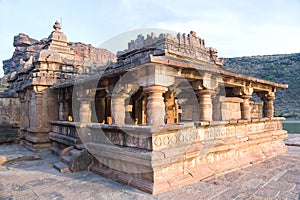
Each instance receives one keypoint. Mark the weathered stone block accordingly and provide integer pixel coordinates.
(81, 161)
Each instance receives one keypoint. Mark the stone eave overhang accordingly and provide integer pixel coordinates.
(175, 62)
(79, 80)
(229, 78)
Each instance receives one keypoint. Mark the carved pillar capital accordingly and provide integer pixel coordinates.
(246, 97)
(39, 89)
(207, 83)
(85, 93)
(205, 92)
(242, 91)
(155, 89)
(266, 94)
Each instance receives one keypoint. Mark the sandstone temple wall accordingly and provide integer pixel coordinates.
(9, 118)
(35, 66)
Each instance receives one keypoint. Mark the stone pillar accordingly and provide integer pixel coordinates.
(155, 105)
(108, 117)
(101, 113)
(268, 107)
(128, 110)
(63, 110)
(36, 136)
(170, 107)
(217, 108)
(245, 107)
(39, 110)
(23, 112)
(118, 108)
(27, 110)
(205, 105)
(85, 113)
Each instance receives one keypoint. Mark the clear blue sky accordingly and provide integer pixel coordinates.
(234, 27)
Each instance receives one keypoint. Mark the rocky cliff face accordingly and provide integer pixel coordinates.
(25, 47)
(283, 68)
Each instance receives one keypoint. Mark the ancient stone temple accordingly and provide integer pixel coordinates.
(37, 65)
(163, 115)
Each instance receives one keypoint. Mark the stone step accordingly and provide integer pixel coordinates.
(61, 167)
(74, 152)
(66, 159)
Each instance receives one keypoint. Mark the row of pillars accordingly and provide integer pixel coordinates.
(156, 106)
(268, 106)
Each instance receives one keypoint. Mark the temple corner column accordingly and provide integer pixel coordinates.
(245, 107)
(268, 106)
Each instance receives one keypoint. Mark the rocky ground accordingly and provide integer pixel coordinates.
(27, 175)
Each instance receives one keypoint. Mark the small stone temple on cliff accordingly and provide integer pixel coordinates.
(159, 115)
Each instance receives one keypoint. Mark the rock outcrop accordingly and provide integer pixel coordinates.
(23, 40)
(26, 47)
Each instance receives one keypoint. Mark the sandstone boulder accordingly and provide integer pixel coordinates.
(23, 40)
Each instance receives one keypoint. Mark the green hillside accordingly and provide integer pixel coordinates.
(283, 68)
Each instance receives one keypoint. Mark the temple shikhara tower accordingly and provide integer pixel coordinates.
(157, 116)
